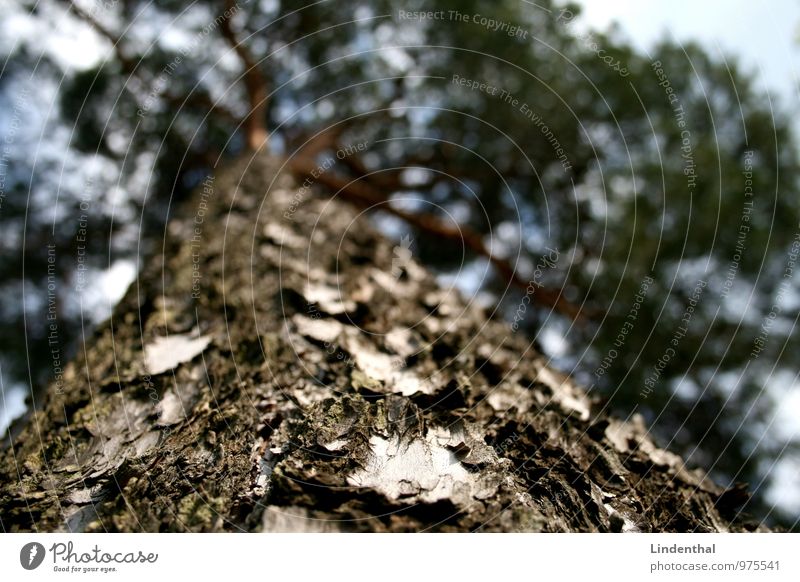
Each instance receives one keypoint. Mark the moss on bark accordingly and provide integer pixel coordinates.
(338, 391)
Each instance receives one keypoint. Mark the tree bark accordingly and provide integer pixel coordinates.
(281, 367)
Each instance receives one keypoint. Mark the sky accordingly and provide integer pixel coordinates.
(764, 35)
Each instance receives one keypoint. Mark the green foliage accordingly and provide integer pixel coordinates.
(587, 154)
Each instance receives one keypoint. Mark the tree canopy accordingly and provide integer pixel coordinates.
(635, 214)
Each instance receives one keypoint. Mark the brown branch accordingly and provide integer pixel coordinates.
(326, 139)
(386, 180)
(254, 81)
(362, 194)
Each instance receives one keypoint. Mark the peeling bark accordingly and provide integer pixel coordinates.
(274, 371)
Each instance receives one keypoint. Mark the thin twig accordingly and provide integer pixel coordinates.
(132, 69)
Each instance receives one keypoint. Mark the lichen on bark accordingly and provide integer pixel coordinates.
(313, 384)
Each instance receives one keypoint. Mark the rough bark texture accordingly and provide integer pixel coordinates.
(318, 383)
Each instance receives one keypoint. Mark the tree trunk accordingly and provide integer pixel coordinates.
(281, 367)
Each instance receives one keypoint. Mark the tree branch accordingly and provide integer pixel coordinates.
(363, 194)
(255, 84)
